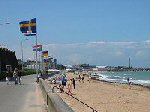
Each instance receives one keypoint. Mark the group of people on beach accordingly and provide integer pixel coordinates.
(70, 83)
(16, 76)
(81, 78)
(66, 83)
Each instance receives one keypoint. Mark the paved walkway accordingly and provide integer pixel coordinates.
(21, 98)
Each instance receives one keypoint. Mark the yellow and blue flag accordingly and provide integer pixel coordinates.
(28, 27)
(33, 25)
(45, 53)
(24, 26)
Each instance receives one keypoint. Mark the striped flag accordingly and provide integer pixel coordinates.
(45, 53)
(39, 47)
(48, 57)
(24, 26)
(28, 27)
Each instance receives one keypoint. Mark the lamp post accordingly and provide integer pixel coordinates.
(4, 23)
(22, 55)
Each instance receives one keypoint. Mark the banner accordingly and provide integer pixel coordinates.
(28, 28)
(24, 26)
(48, 57)
(39, 47)
(45, 53)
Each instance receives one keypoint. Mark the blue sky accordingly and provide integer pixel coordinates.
(101, 32)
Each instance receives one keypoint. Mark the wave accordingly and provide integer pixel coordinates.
(102, 76)
(122, 79)
(143, 82)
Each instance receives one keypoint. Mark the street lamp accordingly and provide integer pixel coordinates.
(22, 55)
(4, 23)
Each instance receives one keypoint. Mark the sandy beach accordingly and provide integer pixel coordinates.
(106, 97)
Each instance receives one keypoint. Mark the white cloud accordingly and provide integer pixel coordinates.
(91, 44)
(147, 41)
(119, 53)
(100, 52)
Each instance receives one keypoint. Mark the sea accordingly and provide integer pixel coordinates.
(138, 77)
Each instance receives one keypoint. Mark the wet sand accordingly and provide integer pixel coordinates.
(106, 97)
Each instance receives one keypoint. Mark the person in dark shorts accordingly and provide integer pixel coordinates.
(64, 80)
(15, 75)
(82, 79)
(8, 75)
(128, 80)
(19, 76)
(73, 82)
(79, 78)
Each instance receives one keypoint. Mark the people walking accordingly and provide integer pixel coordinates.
(79, 78)
(15, 75)
(73, 82)
(82, 79)
(69, 87)
(19, 76)
(64, 80)
(8, 73)
(128, 80)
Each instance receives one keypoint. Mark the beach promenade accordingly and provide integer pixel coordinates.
(106, 97)
(21, 98)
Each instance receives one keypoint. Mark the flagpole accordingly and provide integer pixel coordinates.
(22, 57)
(36, 61)
(39, 63)
(42, 63)
(30, 26)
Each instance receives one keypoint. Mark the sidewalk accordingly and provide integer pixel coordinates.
(34, 101)
(22, 98)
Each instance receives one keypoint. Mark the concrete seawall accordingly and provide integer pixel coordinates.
(53, 100)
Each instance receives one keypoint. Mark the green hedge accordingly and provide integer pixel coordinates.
(26, 72)
(2, 75)
(29, 72)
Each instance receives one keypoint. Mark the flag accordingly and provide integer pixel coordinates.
(29, 33)
(39, 47)
(45, 53)
(28, 27)
(24, 26)
(33, 25)
(48, 57)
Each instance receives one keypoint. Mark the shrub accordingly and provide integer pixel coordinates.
(29, 72)
(2, 75)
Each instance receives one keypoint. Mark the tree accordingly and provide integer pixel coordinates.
(7, 57)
